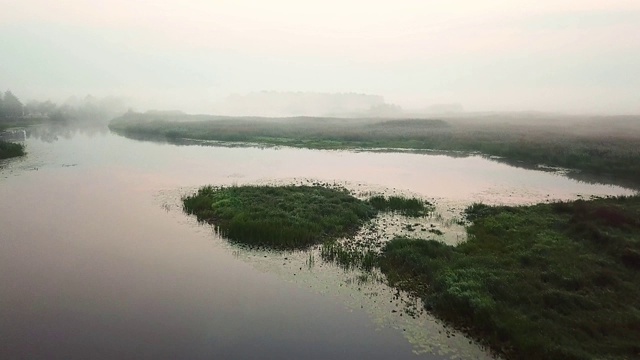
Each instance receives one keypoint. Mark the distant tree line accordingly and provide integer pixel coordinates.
(88, 108)
(10, 105)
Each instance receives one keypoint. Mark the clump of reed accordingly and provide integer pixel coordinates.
(349, 258)
(405, 206)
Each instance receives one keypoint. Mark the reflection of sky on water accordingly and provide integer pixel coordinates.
(91, 263)
(463, 178)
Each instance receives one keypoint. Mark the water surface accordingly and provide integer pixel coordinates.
(98, 261)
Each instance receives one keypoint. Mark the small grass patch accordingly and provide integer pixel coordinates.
(349, 258)
(548, 281)
(284, 217)
(405, 206)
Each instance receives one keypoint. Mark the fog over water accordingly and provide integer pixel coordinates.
(562, 56)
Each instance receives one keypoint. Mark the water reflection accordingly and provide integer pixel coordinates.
(16, 135)
(55, 131)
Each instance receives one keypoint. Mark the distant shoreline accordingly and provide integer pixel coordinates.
(600, 149)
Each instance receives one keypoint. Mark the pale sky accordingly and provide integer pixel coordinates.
(567, 56)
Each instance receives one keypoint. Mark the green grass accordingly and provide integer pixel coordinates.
(548, 281)
(348, 258)
(289, 217)
(606, 150)
(285, 217)
(9, 150)
(402, 205)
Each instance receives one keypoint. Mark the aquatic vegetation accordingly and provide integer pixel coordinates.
(548, 281)
(8, 150)
(349, 258)
(284, 217)
(406, 206)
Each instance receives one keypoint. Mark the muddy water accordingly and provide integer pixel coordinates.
(98, 261)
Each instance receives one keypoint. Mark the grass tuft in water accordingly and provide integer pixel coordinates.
(405, 206)
(349, 258)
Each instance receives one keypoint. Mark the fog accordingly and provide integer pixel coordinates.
(411, 56)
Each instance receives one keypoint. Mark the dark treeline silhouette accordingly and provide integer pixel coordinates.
(88, 114)
(10, 105)
(88, 109)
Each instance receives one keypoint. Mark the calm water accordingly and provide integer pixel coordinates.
(98, 261)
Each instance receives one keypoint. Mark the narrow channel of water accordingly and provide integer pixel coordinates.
(97, 259)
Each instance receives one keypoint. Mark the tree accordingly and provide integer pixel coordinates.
(11, 105)
(39, 108)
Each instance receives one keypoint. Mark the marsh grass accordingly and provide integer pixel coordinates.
(548, 281)
(412, 207)
(348, 257)
(284, 217)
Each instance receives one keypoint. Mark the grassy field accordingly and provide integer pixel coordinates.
(548, 281)
(605, 149)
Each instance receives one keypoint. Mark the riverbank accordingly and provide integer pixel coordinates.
(606, 148)
(547, 281)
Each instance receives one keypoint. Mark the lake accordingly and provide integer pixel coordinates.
(98, 260)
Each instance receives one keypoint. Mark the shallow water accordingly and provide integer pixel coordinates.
(98, 261)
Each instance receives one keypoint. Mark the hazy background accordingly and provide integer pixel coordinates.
(206, 56)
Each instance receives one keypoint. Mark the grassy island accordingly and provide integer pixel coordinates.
(290, 217)
(9, 150)
(548, 281)
(285, 217)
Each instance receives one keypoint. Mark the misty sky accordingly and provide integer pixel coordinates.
(569, 56)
